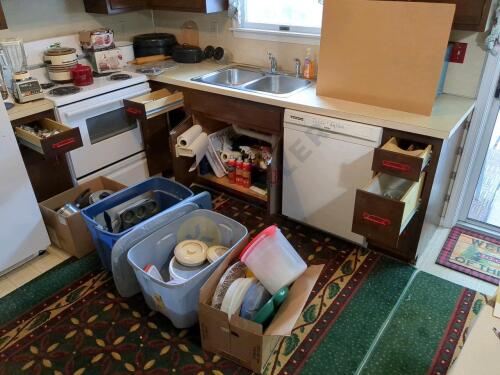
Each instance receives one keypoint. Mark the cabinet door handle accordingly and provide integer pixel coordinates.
(134, 111)
(63, 143)
(396, 166)
(376, 219)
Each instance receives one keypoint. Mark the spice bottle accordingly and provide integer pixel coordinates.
(231, 171)
(247, 174)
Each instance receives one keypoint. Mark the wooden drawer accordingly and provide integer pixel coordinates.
(395, 159)
(153, 104)
(378, 216)
(66, 140)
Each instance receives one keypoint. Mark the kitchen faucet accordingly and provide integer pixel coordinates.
(297, 67)
(274, 63)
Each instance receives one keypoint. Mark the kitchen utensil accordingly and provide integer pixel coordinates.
(148, 59)
(183, 273)
(269, 310)
(190, 33)
(154, 44)
(231, 304)
(273, 260)
(187, 54)
(218, 53)
(67, 210)
(60, 57)
(137, 212)
(127, 50)
(236, 271)
(215, 252)
(99, 195)
(253, 301)
(191, 253)
(208, 52)
(82, 200)
(82, 75)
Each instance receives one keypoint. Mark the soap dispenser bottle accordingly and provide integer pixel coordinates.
(309, 68)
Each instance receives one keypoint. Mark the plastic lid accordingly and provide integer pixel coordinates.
(191, 253)
(268, 232)
(215, 252)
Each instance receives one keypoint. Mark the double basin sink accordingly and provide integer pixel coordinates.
(247, 79)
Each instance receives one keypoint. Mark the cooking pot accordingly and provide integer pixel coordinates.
(82, 75)
(60, 56)
(187, 54)
(154, 44)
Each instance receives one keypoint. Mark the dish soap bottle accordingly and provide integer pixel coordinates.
(308, 65)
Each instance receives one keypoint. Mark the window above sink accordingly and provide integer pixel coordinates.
(295, 21)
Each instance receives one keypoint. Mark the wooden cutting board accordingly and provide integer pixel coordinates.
(384, 53)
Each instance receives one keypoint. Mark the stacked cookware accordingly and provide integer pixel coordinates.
(60, 62)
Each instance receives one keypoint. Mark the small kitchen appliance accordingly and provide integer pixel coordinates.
(26, 88)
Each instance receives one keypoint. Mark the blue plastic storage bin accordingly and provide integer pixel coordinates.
(178, 300)
(168, 193)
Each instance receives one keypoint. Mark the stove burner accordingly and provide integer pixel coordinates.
(46, 86)
(64, 90)
(120, 77)
(99, 75)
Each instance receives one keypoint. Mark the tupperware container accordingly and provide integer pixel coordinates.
(273, 260)
(178, 299)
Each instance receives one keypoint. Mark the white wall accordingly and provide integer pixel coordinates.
(39, 19)
(462, 79)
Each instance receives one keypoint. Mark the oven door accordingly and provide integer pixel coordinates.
(108, 135)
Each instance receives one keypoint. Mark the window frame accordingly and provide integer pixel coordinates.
(275, 28)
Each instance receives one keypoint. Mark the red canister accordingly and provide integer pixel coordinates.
(82, 75)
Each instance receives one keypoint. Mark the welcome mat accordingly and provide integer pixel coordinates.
(472, 253)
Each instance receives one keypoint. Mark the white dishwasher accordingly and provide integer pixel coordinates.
(325, 161)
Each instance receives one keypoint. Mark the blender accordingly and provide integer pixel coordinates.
(24, 87)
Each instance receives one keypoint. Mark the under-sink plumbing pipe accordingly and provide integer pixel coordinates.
(253, 134)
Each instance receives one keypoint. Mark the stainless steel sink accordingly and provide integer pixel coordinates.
(230, 77)
(277, 84)
(247, 79)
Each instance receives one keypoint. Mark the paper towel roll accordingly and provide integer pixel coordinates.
(197, 149)
(227, 155)
(189, 136)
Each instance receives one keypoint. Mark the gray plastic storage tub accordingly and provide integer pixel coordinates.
(179, 300)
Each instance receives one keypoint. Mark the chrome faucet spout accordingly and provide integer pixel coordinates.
(297, 68)
(274, 63)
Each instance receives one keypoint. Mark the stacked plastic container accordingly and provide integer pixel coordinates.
(166, 192)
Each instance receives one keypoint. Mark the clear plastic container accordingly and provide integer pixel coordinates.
(273, 260)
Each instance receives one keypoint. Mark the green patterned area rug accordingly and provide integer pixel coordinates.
(367, 314)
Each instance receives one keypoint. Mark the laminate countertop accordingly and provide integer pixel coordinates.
(448, 113)
(30, 108)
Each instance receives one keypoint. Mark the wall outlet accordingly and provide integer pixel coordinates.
(458, 52)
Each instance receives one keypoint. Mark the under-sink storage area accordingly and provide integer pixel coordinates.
(385, 206)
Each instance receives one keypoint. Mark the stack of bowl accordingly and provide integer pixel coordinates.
(60, 61)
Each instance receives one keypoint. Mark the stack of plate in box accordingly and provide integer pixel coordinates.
(60, 61)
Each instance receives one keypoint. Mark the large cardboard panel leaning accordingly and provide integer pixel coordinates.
(384, 53)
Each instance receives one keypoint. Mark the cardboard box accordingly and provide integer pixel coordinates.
(97, 39)
(71, 233)
(482, 348)
(244, 341)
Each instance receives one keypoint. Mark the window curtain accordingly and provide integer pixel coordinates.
(493, 39)
(234, 11)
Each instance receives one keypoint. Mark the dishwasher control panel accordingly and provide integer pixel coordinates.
(334, 125)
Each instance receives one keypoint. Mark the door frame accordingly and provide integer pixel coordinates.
(467, 173)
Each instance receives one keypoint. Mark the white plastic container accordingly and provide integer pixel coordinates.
(273, 260)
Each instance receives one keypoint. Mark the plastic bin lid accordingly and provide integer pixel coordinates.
(268, 232)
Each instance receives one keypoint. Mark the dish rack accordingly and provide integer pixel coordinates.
(217, 143)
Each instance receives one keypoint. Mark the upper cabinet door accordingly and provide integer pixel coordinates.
(113, 6)
(201, 6)
(3, 22)
(470, 15)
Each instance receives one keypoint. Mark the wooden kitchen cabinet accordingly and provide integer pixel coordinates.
(200, 6)
(3, 21)
(114, 6)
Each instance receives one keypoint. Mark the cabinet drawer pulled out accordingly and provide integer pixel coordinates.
(405, 161)
(63, 139)
(385, 207)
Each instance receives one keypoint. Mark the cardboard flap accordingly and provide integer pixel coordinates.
(290, 311)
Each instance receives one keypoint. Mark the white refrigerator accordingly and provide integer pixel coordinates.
(22, 231)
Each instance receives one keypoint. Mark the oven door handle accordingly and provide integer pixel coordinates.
(94, 108)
